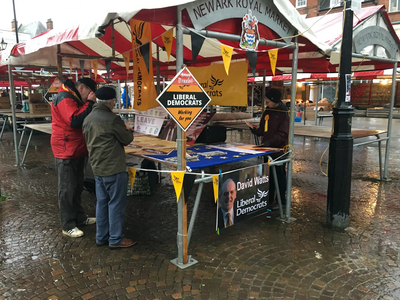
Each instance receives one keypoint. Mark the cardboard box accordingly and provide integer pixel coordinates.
(310, 113)
(4, 105)
(5, 100)
(35, 98)
(39, 108)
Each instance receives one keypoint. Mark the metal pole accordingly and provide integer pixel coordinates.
(252, 101)
(112, 40)
(236, 38)
(291, 131)
(15, 23)
(389, 128)
(14, 120)
(341, 142)
(316, 110)
(59, 63)
(195, 208)
(119, 97)
(158, 70)
(182, 260)
(263, 91)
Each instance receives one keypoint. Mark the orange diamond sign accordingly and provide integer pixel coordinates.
(53, 90)
(184, 99)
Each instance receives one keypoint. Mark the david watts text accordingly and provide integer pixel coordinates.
(256, 202)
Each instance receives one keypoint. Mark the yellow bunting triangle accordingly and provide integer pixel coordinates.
(177, 180)
(273, 57)
(226, 53)
(70, 65)
(132, 174)
(215, 185)
(95, 65)
(167, 38)
(126, 57)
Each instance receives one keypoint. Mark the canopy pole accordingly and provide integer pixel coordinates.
(119, 97)
(14, 120)
(59, 63)
(287, 218)
(263, 91)
(182, 261)
(112, 40)
(389, 128)
(158, 70)
(252, 100)
(236, 38)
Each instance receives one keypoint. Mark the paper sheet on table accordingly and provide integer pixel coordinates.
(249, 124)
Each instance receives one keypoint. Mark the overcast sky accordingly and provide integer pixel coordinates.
(63, 13)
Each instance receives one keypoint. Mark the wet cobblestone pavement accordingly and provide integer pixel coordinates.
(261, 258)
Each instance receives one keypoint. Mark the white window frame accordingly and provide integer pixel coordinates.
(333, 2)
(394, 8)
(301, 3)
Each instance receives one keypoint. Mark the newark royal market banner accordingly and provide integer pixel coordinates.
(242, 194)
(223, 89)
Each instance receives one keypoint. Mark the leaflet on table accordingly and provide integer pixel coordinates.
(211, 153)
(158, 112)
(237, 147)
(148, 124)
(249, 124)
(189, 158)
(169, 132)
(146, 143)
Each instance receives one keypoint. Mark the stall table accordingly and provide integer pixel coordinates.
(26, 117)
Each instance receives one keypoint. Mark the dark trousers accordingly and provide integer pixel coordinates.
(281, 175)
(70, 174)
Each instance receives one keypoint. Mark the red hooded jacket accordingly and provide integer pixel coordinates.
(68, 112)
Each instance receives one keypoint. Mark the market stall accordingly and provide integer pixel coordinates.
(194, 33)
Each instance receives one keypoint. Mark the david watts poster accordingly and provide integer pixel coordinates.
(242, 194)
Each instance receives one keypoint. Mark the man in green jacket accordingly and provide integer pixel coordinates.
(106, 135)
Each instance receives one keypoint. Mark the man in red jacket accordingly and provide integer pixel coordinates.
(274, 128)
(70, 107)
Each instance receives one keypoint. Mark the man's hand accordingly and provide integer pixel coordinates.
(91, 97)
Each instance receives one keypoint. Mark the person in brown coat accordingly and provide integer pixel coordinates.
(274, 128)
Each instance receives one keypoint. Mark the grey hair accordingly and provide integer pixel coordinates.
(104, 101)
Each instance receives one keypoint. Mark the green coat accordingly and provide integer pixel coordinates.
(106, 135)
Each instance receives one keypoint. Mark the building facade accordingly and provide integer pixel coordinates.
(314, 8)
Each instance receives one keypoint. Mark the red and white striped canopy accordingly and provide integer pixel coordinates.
(81, 42)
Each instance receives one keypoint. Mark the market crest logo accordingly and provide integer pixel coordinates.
(211, 86)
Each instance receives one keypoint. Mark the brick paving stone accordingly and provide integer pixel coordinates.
(262, 255)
